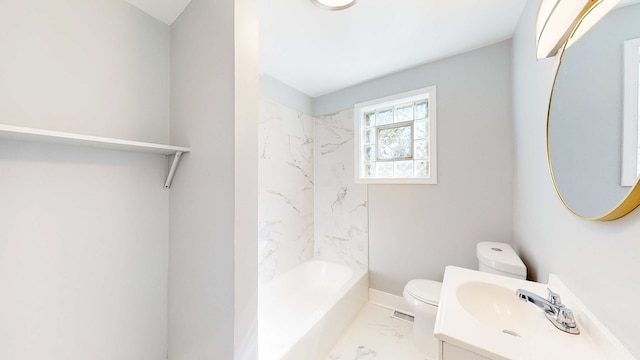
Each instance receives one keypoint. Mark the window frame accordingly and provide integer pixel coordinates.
(393, 126)
(361, 109)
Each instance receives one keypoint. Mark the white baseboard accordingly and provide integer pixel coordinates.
(389, 301)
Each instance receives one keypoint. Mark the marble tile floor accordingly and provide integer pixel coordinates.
(376, 335)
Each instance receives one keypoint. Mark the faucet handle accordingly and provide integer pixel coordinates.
(554, 298)
(566, 318)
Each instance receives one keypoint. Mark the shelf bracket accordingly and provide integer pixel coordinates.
(172, 169)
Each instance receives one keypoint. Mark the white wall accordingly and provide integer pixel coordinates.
(96, 67)
(83, 254)
(598, 261)
(246, 94)
(281, 93)
(83, 232)
(202, 293)
(417, 230)
(414, 231)
(202, 201)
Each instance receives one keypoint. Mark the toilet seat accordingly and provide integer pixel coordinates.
(427, 291)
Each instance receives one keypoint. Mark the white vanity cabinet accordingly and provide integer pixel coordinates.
(447, 351)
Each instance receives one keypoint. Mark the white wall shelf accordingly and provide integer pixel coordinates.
(18, 133)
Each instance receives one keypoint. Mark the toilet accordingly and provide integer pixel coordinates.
(422, 295)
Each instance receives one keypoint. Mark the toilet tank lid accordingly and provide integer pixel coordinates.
(500, 256)
(425, 290)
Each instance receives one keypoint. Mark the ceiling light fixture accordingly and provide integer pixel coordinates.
(565, 21)
(333, 4)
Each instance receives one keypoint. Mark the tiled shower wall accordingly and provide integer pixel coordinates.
(340, 207)
(305, 213)
(285, 186)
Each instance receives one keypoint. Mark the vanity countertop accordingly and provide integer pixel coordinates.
(480, 312)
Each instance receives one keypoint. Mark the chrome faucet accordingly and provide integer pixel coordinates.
(554, 310)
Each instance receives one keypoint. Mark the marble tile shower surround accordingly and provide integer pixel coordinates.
(309, 205)
(286, 188)
(340, 206)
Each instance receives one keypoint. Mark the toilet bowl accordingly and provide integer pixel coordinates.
(422, 296)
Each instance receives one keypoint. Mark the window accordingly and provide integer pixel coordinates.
(395, 139)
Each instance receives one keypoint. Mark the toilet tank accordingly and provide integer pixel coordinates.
(500, 258)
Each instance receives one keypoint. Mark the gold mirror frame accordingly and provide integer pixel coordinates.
(632, 199)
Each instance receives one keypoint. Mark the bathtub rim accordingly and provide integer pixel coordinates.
(357, 277)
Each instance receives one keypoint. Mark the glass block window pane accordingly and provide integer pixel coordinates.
(404, 113)
(370, 136)
(422, 149)
(384, 117)
(403, 168)
(370, 119)
(422, 110)
(421, 132)
(396, 139)
(395, 143)
(421, 168)
(369, 153)
(370, 169)
(384, 169)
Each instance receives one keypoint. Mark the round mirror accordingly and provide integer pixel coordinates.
(592, 127)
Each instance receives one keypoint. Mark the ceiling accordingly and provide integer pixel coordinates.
(317, 51)
(166, 11)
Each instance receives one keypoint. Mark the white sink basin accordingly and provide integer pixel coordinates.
(480, 313)
(498, 308)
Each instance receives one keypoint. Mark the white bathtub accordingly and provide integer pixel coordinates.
(303, 312)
